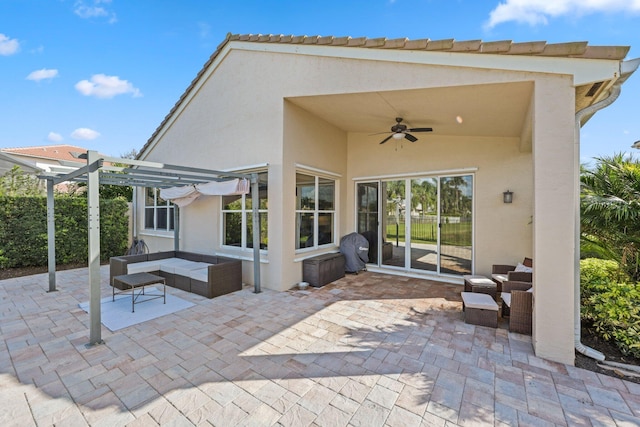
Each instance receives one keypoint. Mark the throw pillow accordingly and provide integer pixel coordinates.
(523, 268)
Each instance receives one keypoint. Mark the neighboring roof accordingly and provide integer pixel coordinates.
(62, 152)
(581, 50)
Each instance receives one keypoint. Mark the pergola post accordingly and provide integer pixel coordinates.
(176, 228)
(93, 203)
(255, 206)
(51, 236)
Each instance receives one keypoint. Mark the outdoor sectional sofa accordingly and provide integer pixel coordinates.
(206, 275)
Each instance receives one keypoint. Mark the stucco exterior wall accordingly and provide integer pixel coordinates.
(254, 124)
(244, 113)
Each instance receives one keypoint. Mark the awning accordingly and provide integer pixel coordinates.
(185, 195)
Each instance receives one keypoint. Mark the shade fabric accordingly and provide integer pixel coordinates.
(224, 188)
(185, 195)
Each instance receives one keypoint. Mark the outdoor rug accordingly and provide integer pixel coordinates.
(117, 314)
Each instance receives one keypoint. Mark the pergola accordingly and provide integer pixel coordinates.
(133, 173)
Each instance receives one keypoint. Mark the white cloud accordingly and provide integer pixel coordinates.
(94, 9)
(8, 46)
(42, 74)
(534, 12)
(103, 86)
(205, 29)
(85, 134)
(54, 137)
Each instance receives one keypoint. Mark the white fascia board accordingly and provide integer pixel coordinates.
(584, 70)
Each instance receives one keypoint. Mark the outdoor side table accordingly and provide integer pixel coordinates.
(138, 280)
(480, 284)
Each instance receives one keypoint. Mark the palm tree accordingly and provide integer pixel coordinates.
(610, 211)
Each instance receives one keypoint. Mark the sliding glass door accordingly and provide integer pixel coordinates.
(421, 223)
(424, 224)
(456, 227)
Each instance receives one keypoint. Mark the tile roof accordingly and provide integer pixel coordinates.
(580, 49)
(52, 152)
(503, 47)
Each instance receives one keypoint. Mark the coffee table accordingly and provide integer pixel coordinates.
(138, 280)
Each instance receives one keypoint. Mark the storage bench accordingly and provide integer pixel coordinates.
(322, 269)
(479, 309)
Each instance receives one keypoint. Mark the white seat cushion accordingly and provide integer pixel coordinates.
(475, 279)
(478, 300)
(143, 267)
(201, 275)
(506, 298)
(500, 277)
(186, 269)
(170, 265)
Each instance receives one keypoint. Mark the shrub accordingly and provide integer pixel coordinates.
(23, 230)
(597, 275)
(610, 305)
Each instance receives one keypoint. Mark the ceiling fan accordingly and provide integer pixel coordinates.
(399, 131)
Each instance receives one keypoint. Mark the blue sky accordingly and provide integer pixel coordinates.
(104, 73)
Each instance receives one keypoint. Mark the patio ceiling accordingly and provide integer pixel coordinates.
(485, 110)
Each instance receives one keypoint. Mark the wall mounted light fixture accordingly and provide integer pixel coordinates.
(507, 196)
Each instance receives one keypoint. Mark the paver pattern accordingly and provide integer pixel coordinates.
(367, 350)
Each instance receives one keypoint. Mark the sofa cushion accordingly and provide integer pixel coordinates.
(143, 267)
(201, 275)
(186, 269)
(169, 265)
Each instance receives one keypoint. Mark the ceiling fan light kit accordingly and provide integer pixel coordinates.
(399, 131)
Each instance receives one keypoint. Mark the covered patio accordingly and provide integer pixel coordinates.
(370, 349)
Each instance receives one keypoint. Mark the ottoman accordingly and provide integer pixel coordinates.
(480, 284)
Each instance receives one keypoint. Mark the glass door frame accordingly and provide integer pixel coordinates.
(408, 195)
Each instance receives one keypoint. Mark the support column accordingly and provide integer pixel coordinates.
(51, 236)
(554, 219)
(176, 228)
(93, 203)
(255, 206)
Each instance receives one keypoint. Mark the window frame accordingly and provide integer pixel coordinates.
(167, 205)
(316, 212)
(246, 213)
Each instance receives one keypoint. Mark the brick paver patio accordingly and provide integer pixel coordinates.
(367, 350)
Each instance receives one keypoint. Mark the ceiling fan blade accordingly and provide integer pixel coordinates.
(386, 139)
(410, 137)
(378, 133)
(420, 130)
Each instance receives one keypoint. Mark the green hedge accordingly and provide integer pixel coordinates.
(23, 230)
(610, 304)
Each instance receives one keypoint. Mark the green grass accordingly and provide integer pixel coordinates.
(458, 234)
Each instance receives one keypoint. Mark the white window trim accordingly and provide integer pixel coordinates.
(170, 210)
(244, 212)
(317, 174)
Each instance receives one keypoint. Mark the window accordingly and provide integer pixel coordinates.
(158, 213)
(237, 217)
(315, 211)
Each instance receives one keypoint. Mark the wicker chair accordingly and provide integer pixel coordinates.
(508, 272)
(518, 306)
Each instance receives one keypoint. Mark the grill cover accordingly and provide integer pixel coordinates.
(355, 249)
